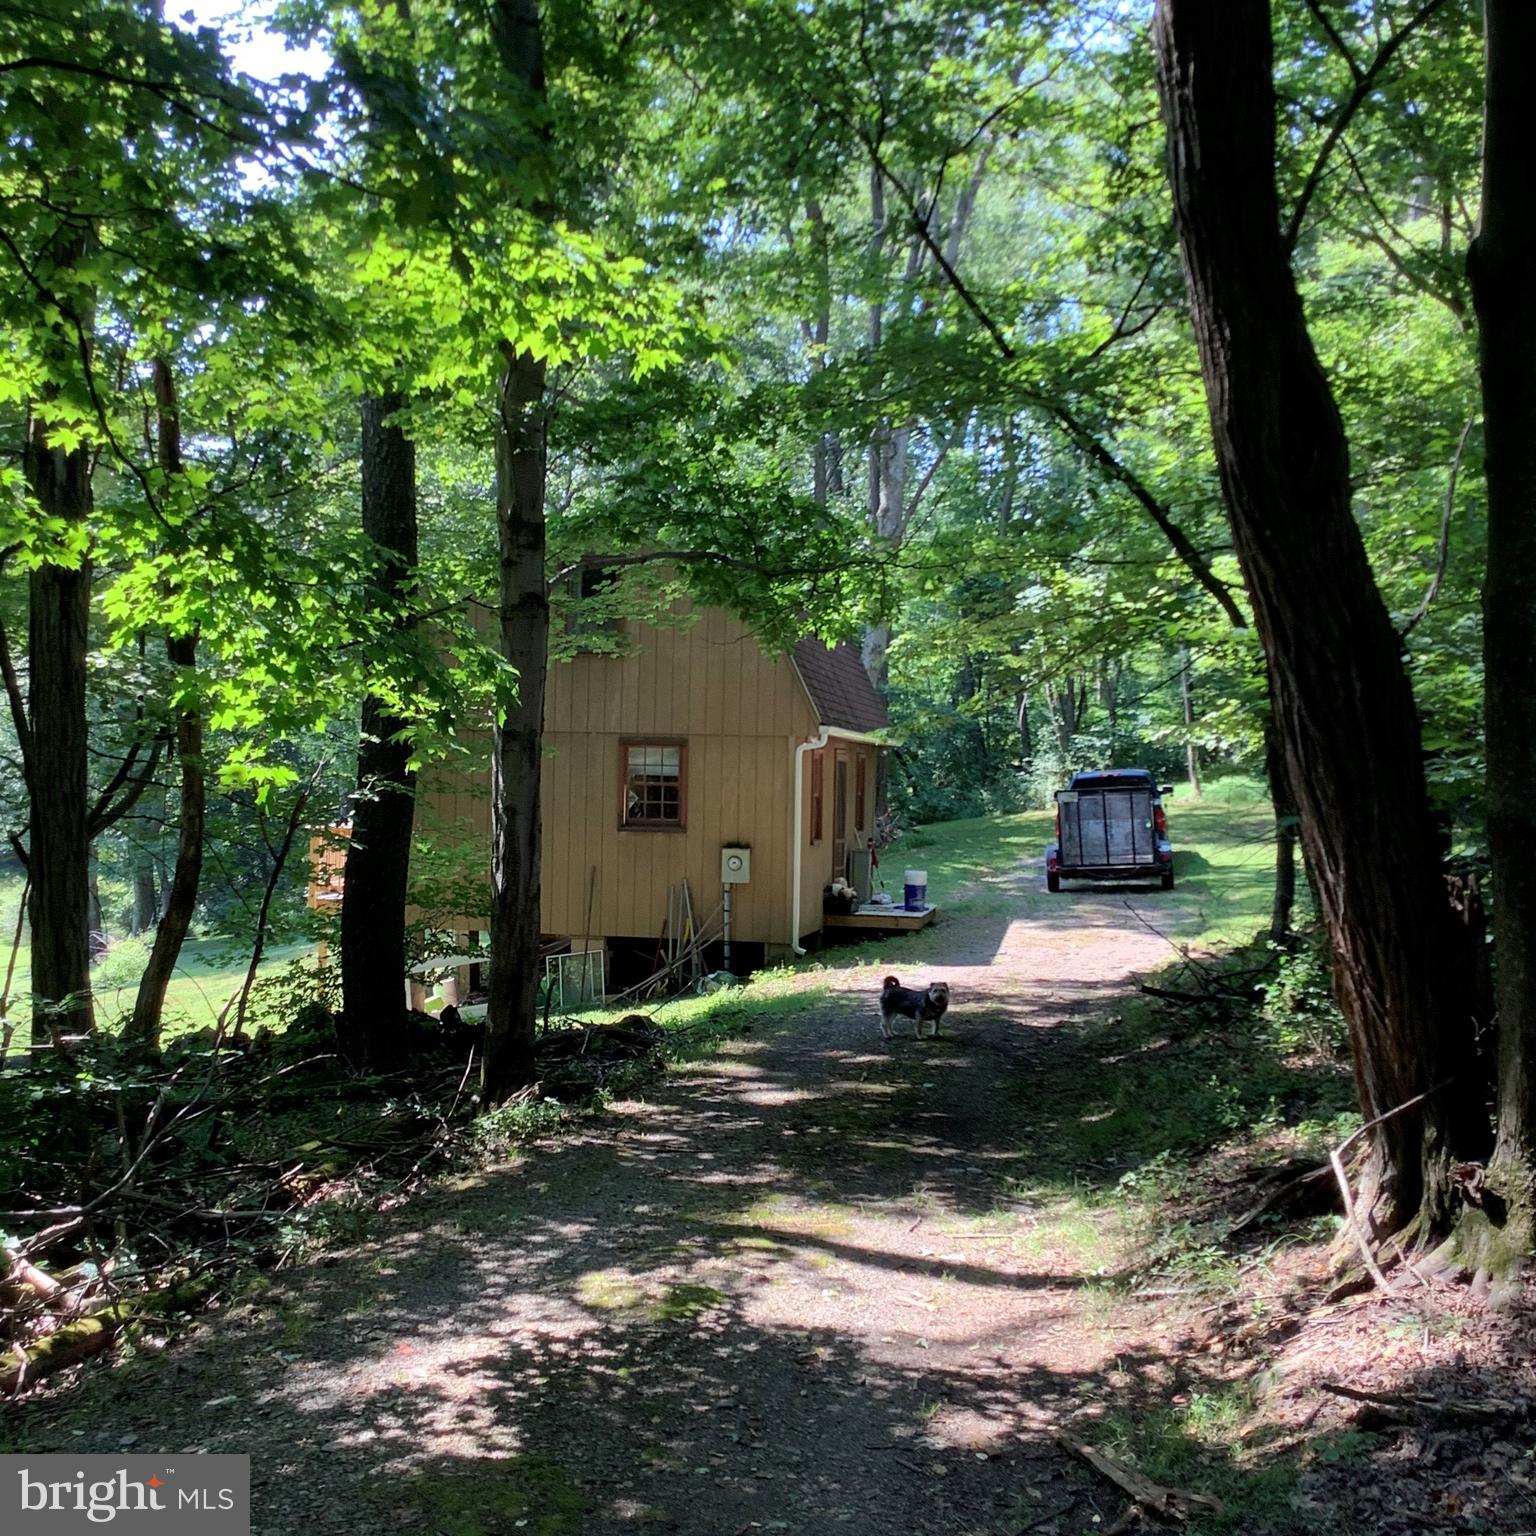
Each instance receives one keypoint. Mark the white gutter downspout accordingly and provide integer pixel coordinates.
(797, 837)
(797, 848)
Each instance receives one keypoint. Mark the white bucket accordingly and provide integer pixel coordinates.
(916, 883)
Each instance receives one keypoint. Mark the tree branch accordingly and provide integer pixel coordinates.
(15, 698)
(104, 813)
(1365, 83)
(1452, 300)
(167, 91)
(1443, 553)
(695, 556)
(1325, 22)
(1155, 509)
(1079, 433)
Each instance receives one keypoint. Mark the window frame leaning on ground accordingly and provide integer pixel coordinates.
(630, 744)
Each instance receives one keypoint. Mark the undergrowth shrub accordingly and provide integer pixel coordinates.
(122, 965)
(1298, 1008)
(499, 1130)
(299, 998)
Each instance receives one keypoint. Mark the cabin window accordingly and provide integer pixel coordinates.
(860, 768)
(591, 614)
(653, 786)
(817, 796)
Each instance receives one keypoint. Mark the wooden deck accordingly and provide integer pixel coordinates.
(881, 919)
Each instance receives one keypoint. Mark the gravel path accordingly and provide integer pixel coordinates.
(791, 1291)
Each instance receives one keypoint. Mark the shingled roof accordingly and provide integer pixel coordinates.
(840, 690)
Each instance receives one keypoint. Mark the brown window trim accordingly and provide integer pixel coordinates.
(818, 794)
(681, 824)
(860, 784)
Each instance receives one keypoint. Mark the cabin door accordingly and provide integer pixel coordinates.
(840, 816)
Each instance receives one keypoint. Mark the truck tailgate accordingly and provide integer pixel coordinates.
(1106, 828)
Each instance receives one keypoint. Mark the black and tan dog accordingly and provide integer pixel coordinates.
(920, 1004)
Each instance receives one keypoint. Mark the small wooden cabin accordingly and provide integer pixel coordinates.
(695, 745)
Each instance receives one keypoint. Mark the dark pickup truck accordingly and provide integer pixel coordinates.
(1110, 825)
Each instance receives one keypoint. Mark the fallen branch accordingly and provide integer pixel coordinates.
(1336, 1157)
(1184, 999)
(1049, 1514)
(1353, 1218)
(1481, 1411)
(17, 1276)
(87, 1336)
(1282, 1191)
(1166, 1503)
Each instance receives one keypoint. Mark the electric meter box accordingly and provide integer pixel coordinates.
(735, 866)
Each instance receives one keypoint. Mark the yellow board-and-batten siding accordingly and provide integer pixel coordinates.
(706, 682)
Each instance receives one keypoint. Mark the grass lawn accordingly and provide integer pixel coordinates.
(209, 971)
(1224, 858)
(1223, 861)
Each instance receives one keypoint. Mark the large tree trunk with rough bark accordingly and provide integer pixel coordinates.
(181, 900)
(373, 955)
(1343, 707)
(517, 750)
(1283, 905)
(1503, 271)
(55, 749)
(517, 759)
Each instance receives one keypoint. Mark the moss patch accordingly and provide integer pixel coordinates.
(610, 1290)
(489, 1496)
(781, 1215)
(685, 1301)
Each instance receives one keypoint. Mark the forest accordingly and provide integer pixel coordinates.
(1129, 382)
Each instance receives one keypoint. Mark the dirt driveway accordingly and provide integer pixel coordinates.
(793, 1290)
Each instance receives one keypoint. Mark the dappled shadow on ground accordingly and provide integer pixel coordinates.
(1460, 1462)
(799, 1285)
(1445, 1447)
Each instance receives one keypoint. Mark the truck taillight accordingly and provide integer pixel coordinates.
(1160, 821)
(1058, 823)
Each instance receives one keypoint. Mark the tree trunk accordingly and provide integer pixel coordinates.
(827, 455)
(373, 957)
(887, 457)
(1062, 703)
(1503, 271)
(58, 625)
(1187, 698)
(1344, 711)
(94, 916)
(280, 856)
(1284, 803)
(181, 897)
(182, 890)
(1021, 722)
(517, 749)
(146, 900)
